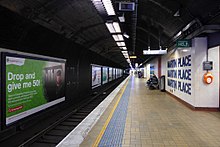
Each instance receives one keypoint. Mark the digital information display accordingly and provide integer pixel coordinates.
(32, 85)
(104, 75)
(96, 76)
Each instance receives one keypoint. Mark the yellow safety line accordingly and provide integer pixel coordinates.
(98, 139)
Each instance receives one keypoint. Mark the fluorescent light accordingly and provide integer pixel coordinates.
(124, 52)
(126, 56)
(185, 50)
(178, 34)
(122, 44)
(110, 27)
(133, 57)
(115, 37)
(117, 27)
(124, 48)
(126, 35)
(154, 52)
(113, 27)
(177, 14)
(108, 7)
(118, 43)
(120, 37)
(121, 18)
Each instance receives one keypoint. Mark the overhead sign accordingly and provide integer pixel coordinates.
(154, 52)
(183, 43)
(126, 6)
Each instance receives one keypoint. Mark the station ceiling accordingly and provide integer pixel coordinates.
(157, 23)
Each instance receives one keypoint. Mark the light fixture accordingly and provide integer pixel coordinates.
(115, 37)
(126, 56)
(108, 7)
(154, 52)
(117, 27)
(120, 44)
(185, 50)
(124, 48)
(120, 37)
(124, 52)
(110, 27)
(104, 6)
(113, 27)
(177, 14)
(121, 18)
(133, 57)
(126, 35)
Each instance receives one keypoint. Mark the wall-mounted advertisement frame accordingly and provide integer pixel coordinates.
(104, 75)
(113, 73)
(110, 74)
(96, 76)
(31, 84)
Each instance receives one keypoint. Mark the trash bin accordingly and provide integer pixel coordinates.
(162, 83)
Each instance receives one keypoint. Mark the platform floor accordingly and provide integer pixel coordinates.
(153, 118)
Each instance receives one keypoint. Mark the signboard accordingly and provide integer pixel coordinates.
(96, 76)
(32, 85)
(110, 77)
(184, 43)
(113, 75)
(104, 75)
(179, 74)
(126, 6)
(207, 65)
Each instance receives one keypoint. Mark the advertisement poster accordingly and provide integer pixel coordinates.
(151, 70)
(96, 76)
(121, 72)
(32, 85)
(104, 75)
(118, 73)
(114, 73)
(110, 74)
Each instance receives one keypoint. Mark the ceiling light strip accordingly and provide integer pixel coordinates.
(108, 7)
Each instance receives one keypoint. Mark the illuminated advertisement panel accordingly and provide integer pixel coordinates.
(104, 75)
(32, 85)
(96, 76)
(114, 73)
(110, 78)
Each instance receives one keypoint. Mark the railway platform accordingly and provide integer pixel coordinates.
(138, 117)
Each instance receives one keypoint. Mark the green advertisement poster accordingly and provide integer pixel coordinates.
(104, 75)
(32, 85)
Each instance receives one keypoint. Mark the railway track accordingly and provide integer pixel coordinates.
(53, 134)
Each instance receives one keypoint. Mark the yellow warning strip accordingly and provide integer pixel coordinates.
(99, 137)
